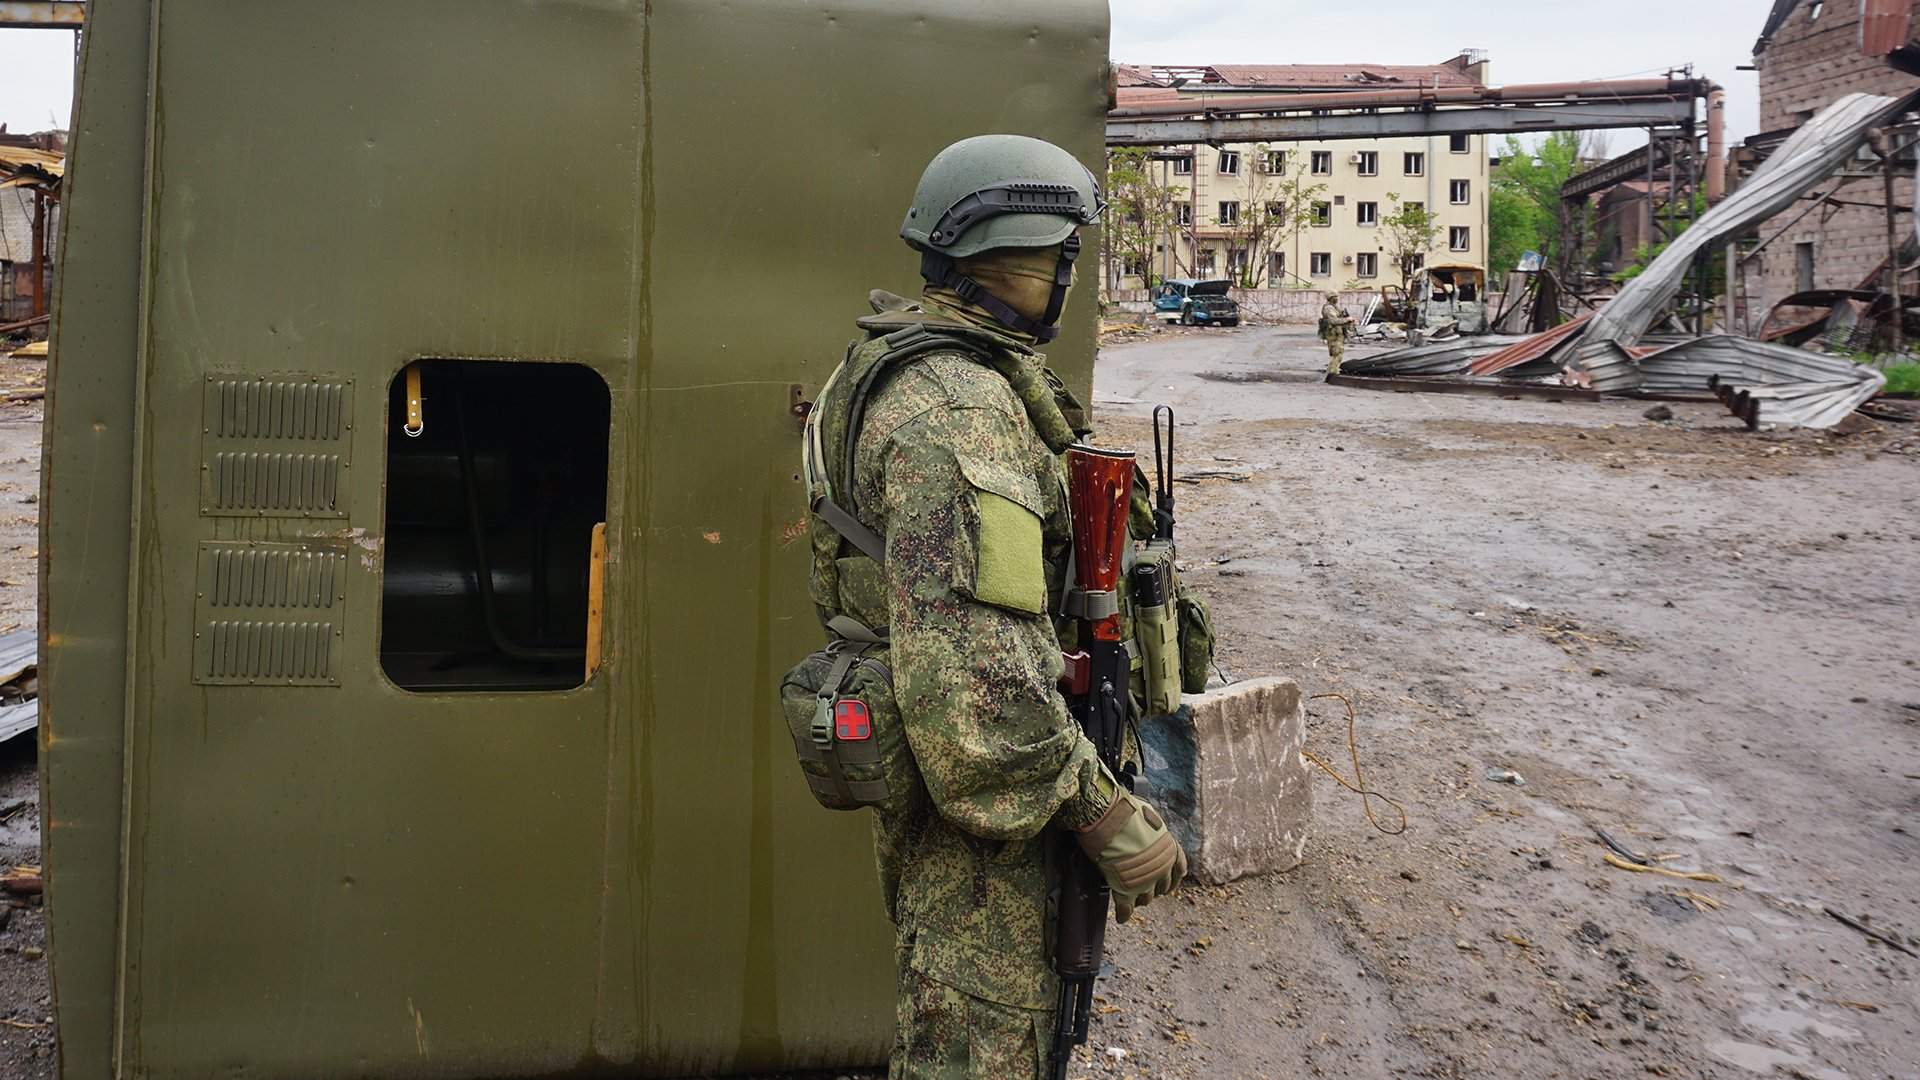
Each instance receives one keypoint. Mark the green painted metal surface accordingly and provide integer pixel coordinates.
(340, 877)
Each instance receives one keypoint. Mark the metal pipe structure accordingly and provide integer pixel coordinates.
(1426, 111)
(1716, 145)
(54, 14)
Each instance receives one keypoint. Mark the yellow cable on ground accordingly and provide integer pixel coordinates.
(1358, 785)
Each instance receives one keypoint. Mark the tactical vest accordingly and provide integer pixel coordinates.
(839, 702)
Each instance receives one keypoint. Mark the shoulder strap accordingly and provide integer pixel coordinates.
(911, 338)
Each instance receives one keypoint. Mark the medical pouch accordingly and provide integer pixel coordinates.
(1156, 630)
(846, 728)
(1196, 641)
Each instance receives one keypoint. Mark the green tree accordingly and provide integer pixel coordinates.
(1525, 211)
(1140, 212)
(1411, 232)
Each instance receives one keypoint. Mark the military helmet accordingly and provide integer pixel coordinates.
(1001, 191)
(997, 191)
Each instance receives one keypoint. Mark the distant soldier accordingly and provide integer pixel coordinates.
(940, 438)
(1335, 325)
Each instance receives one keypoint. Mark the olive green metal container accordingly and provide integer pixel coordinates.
(281, 843)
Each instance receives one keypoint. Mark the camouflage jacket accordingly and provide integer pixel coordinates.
(971, 501)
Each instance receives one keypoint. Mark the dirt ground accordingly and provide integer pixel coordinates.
(26, 1009)
(1694, 637)
(1699, 639)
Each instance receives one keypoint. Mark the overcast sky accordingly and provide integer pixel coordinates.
(1528, 41)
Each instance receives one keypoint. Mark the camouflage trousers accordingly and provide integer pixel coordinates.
(1336, 353)
(944, 1033)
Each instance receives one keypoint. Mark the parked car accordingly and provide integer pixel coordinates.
(1196, 303)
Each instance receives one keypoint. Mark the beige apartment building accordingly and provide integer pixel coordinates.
(1343, 243)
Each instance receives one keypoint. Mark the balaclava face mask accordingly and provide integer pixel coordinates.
(1021, 278)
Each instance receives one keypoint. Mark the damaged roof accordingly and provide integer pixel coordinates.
(1457, 72)
(1777, 18)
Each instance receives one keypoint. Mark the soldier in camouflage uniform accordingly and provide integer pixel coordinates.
(956, 469)
(1335, 325)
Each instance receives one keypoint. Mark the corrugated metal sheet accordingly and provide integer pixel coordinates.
(1884, 25)
(1814, 152)
(19, 654)
(1532, 348)
(1449, 357)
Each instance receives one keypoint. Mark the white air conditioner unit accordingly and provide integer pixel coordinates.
(1353, 159)
(1348, 261)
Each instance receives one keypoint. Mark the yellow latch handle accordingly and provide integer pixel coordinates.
(596, 600)
(416, 416)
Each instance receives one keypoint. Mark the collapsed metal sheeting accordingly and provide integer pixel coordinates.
(1449, 357)
(1819, 148)
(1762, 383)
(1808, 405)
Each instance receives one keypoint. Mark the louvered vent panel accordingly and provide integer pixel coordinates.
(269, 613)
(277, 446)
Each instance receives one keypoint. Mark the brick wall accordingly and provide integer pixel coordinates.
(1807, 66)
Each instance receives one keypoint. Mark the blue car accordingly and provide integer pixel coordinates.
(1196, 303)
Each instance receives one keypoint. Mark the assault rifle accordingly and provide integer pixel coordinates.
(1099, 493)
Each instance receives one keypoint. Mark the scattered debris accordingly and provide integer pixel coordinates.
(1506, 776)
(19, 682)
(1642, 868)
(1658, 414)
(22, 881)
(1884, 939)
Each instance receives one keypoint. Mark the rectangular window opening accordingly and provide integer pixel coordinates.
(1323, 163)
(492, 510)
(1367, 213)
(1275, 161)
(1415, 165)
(1460, 192)
(1459, 238)
(1322, 213)
(1459, 144)
(1368, 162)
(1229, 213)
(1229, 163)
(1321, 264)
(1183, 166)
(1367, 264)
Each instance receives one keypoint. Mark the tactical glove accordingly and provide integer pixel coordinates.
(1135, 853)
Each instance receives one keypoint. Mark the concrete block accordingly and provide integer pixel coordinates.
(1226, 771)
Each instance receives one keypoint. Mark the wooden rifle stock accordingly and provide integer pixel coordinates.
(1099, 494)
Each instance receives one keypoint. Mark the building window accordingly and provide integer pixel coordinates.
(1323, 213)
(1367, 264)
(1134, 266)
(1277, 268)
(1803, 266)
(1415, 165)
(1460, 192)
(1460, 144)
(1368, 162)
(1323, 163)
(1237, 262)
(1367, 213)
(1229, 163)
(1183, 214)
(1322, 264)
(1183, 166)
(1274, 161)
(1415, 207)
(1203, 265)
(1229, 213)
(1277, 213)
(495, 526)
(1459, 238)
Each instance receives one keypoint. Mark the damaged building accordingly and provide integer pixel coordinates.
(1810, 54)
(1357, 185)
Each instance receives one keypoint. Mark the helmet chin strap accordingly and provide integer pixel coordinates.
(940, 269)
